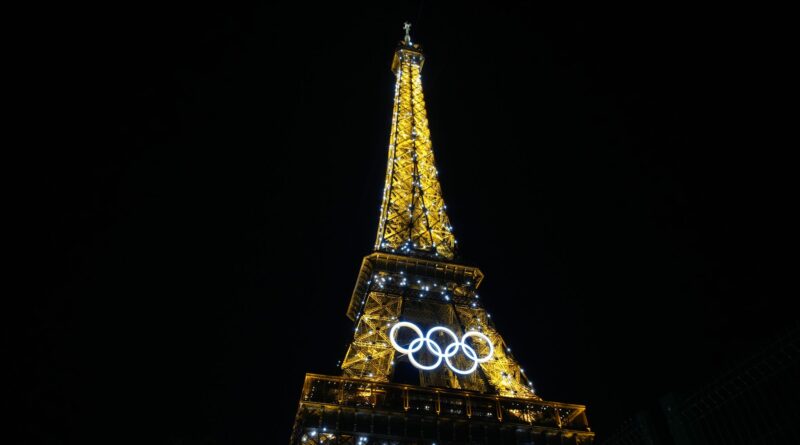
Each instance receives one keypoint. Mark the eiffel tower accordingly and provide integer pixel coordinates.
(426, 365)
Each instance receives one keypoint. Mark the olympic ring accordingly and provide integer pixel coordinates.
(449, 351)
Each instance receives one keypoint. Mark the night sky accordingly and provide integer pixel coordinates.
(619, 175)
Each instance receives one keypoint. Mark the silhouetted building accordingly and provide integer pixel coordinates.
(754, 403)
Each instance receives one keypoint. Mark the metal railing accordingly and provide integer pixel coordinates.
(443, 402)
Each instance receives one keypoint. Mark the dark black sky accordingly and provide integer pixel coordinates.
(620, 175)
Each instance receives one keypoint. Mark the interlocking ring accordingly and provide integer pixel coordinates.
(449, 351)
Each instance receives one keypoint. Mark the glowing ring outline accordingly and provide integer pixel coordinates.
(393, 332)
(485, 338)
(447, 331)
(437, 353)
(449, 351)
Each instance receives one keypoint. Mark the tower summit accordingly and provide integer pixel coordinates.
(426, 364)
(413, 219)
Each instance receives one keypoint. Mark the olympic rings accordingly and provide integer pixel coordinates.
(449, 351)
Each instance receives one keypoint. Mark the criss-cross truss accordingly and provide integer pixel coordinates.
(414, 224)
(413, 218)
(395, 387)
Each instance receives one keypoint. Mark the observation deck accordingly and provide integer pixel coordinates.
(341, 410)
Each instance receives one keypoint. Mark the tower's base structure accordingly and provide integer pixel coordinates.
(426, 365)
(346, 411)
(363, 407)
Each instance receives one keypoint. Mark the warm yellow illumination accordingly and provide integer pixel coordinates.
(417, 310)
(413, 218)
(416, 235)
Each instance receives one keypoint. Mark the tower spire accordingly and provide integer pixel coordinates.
(413, 219)
(407, 28)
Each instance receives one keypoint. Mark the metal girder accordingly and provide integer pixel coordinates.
(413, 220)
(334, 410)
(503, 371)
(412, 266)
(370, 354)
(412, 277)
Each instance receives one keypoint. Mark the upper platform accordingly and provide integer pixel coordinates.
(385, 271)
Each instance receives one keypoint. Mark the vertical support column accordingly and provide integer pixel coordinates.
(372, 398)
(306, 388)
(370, 355)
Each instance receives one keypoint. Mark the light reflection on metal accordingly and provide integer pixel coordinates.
(411, 275)
(414, 249)
(413, 219)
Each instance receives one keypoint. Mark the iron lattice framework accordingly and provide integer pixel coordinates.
(413, 217)
(436, 293)
(343, 411)
(411, 277)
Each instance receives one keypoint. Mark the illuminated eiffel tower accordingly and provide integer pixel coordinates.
(426, 364)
